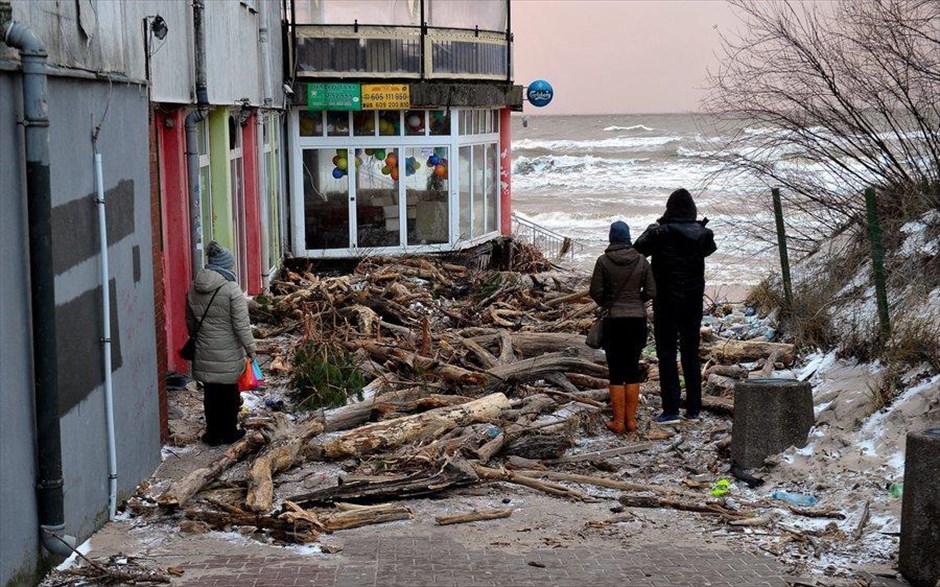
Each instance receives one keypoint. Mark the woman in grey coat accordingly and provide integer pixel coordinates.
(222, 342)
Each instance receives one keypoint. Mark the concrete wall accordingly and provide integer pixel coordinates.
(123, 144)
(109, 36)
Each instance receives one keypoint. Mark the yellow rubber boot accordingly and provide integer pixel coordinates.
(631, 402)
(617, 402)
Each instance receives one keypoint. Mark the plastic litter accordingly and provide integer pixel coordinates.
(721, 487)
(795, 499)
(896, 489)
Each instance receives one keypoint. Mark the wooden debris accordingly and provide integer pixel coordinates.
(731, 351)
(355, 516)
(474, 516)
(606, 454)
(278, 457)
(644, 501)
(453, 473)
(419, 427)
(179, 492)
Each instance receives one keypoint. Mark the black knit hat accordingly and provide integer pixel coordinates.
(680, 206)
(619, 232)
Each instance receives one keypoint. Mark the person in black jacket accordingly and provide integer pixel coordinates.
(622, 282)
(678, 245)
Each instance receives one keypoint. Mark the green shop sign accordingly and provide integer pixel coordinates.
(334, 97)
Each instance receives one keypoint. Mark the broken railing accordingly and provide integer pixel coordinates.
(552, 244)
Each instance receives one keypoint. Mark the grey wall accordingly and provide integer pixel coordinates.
(123, 143)
(19, 538)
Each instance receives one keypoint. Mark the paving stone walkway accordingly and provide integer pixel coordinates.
(437, 560)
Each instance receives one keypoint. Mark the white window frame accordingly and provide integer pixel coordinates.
(401, 142)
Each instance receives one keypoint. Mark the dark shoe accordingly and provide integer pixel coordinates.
(667, 419)
(211, 440)
(692, 416)
(234, 436)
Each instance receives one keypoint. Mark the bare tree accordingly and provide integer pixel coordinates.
(830, 98)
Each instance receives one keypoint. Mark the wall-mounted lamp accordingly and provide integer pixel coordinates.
(158, 27)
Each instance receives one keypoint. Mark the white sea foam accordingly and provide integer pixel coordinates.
(620, 143)
(634, 127)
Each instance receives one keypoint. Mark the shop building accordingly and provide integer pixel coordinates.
(399, 130)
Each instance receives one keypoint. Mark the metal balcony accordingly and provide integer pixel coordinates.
(407, 52)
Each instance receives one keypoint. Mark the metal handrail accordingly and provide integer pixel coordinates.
(552, 244)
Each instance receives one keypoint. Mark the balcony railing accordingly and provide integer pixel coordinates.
(364, 51)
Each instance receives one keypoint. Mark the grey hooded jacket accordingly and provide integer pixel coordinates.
(622, 282)
(225, 336)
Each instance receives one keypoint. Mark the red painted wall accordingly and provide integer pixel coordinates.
(252, 203)
(505, 173)
(174, 197)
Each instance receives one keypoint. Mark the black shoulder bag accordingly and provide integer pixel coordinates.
(188, 350)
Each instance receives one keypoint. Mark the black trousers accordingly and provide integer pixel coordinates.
(221, 403)
(679, 323)
(624, 339)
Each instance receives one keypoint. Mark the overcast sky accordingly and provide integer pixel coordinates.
(618, 56)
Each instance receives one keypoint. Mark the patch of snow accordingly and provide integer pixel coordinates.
(84, 548)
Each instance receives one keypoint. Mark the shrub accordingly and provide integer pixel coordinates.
(324, 375)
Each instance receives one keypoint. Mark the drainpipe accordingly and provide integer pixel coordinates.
(106, 333)
(192, 146)
(42, 288)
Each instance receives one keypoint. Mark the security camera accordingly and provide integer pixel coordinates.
(288, 90)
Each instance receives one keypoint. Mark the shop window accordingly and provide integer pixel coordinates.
(415, 123)
(463, 124)
(479, 203)
(364, 124)
(491, 188)
(440, 122)
(377, 203)
(389, 123)
(465, 195)
(311, 124)
(337, 124)
(326, 200)
(427, 195)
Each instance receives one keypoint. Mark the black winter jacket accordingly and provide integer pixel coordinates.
(678, 249)
(622, 282)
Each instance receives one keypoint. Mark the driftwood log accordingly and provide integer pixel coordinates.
(453, 473)
(737, 351)
(281, 456)
(474, 516)
(180, 491)
(419, 427)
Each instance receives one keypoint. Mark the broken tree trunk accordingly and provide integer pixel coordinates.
(539, 367)
(355, 516)
(533, 344)
(180, 491)
(454, 473)
(738, 351)
(418, 427)
(279, 457)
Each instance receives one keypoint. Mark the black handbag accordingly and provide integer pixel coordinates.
(188, 351)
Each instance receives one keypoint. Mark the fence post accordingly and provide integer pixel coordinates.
(877, 262)
(782, 246)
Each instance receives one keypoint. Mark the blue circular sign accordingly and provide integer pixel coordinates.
(540, 93)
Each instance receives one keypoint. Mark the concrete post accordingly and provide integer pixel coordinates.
(770, 415)
(918, 558)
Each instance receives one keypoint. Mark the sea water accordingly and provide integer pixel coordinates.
(577, 174)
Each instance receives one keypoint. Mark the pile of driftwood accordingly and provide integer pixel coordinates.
(475, 376)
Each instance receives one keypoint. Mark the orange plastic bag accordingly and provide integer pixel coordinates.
(248, 381)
